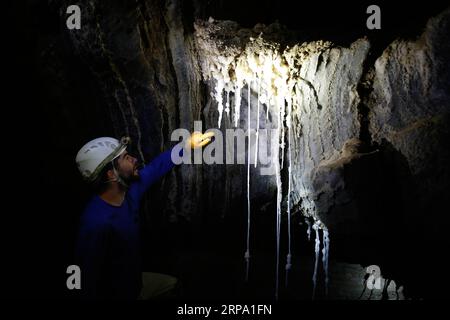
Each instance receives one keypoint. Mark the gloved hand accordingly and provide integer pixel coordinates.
(198, 140)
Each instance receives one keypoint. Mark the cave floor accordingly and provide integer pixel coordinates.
(216, 276)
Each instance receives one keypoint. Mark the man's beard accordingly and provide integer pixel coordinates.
(135, 174)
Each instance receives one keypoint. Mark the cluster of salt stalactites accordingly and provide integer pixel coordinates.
(274, 77)
(260, 65)
(318, 225)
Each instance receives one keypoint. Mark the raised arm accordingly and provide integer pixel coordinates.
(163, 163)
(152, 172)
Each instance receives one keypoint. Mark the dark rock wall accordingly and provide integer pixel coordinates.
(409, 112)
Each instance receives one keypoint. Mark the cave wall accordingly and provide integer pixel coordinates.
(136, 68)
(409, 112)
(363, 126)
(147, 62)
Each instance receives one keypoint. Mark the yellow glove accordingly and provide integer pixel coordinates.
(198, 140)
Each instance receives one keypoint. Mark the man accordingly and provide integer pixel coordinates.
(108, 243)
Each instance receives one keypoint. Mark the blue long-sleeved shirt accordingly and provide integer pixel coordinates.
(108, 246)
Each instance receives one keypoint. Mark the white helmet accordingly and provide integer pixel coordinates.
(95, 154)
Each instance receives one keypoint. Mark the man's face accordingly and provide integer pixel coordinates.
(128, 167)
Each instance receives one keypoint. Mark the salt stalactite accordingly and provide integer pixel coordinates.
(279, 191)
(241, 77)
(282, 75)
(227, 104)
(289, 255)
(218, 96)
(325, 252)
(282, 148)
(308, 231)
(317, 251)
(247, 253)
(257, 123)
(237, 107)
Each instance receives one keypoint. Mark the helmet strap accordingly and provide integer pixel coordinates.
(120, 180)
(117, 178)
